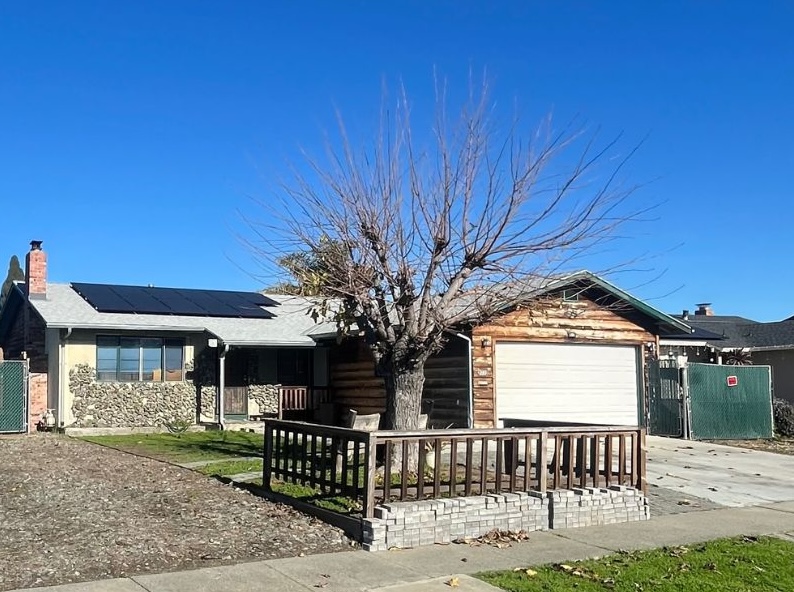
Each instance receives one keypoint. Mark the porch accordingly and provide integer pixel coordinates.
(254, 383)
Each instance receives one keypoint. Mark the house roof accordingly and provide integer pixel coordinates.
(514, 294)
(739, 332)
(65, 308)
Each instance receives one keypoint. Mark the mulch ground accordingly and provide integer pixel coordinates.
(779, 446)
(72, 511)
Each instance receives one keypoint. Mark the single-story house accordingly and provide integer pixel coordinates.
(721, 339)
(573, 350)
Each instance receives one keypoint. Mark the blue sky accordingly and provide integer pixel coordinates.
(131, 132)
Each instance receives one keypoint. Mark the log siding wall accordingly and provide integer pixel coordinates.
(549, 321)
(355, 384)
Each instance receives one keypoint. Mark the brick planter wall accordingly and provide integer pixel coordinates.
(427, 522)
(591, 507)
(412, 524)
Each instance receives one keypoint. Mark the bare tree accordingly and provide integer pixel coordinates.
(434, 238)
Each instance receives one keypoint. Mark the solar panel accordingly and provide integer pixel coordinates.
(175, 301)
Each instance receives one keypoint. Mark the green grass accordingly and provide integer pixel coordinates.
(728, 565)
(231, 467)
(340, 504)
(186, 447)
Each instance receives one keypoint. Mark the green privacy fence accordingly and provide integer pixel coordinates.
(665, 407)
(730, 402)
(12, 396)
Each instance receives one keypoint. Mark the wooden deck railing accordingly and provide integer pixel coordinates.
(300, 398)
(382, 466)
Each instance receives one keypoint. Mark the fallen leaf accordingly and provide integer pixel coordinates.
(453, 582)
(531, 573)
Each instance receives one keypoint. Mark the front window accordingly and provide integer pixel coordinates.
(294, 367)
(134, 359)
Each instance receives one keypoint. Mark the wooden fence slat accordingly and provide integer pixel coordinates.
(469, 466)
(513, 465)
(542, 462)
(404, 475)
(570, 445)
(453, 468)
(582, 461)
(484, 466)
(267, 465)
(500, 443)
(437, 469)
(608, 460)
(387, 471)
(356, 464)
(621, 458)
(420, 473)
(557, 462)
(594, 457)
(368, 508)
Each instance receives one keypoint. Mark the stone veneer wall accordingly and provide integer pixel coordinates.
(134, 404)
(265, 396)
(427, 522)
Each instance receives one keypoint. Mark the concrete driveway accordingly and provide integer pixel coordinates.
(723, 474)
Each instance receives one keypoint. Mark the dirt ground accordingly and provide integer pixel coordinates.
(72, 511)
(779, 446)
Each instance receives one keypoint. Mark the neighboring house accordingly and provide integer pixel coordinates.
(573, 350)
(721, 339)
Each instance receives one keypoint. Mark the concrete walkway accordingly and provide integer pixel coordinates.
(725, 475)
(429, 568)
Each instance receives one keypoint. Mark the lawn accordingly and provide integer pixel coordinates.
(186, 447)
(231, 467)
(727, 565)
(337, 503)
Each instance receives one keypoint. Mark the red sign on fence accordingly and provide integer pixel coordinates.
(733, 381)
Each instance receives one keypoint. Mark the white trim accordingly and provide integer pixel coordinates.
(682, 343)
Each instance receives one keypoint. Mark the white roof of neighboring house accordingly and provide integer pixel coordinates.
(292, 324)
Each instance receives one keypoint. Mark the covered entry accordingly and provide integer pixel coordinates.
(567, 382)
(13, 396)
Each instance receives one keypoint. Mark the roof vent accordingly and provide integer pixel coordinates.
(685, 315)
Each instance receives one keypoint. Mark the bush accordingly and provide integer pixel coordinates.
(784, 418)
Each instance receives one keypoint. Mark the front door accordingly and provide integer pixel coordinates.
(235, 402)
(235, 393)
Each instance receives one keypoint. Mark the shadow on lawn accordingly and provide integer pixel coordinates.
(189, 446)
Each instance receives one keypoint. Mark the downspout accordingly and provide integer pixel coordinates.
(471, 378)
(62, 375)
(222, 383)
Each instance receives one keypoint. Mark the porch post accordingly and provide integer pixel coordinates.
(221, 381)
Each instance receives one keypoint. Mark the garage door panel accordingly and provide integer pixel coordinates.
(567, 382)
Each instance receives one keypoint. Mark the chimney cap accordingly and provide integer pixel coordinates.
(702, 304)
(35, 245)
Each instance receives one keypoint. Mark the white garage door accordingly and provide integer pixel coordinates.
(594, 384)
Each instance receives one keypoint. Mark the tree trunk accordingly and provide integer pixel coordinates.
(404, 385)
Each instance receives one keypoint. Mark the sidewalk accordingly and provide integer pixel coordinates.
(427, 569)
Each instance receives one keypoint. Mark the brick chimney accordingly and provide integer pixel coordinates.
(36, 271)
(704, 310)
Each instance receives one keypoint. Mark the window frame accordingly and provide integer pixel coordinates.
(108, 342)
